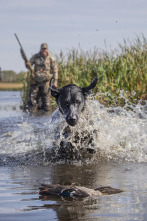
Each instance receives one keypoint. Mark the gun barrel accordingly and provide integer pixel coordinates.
(18, 40)
(24, 55)
(22, 50)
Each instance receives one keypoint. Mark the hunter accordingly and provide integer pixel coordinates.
(45, 67)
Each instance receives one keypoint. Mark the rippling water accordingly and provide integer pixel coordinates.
(119, 138)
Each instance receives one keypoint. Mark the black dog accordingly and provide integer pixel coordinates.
(71, 100)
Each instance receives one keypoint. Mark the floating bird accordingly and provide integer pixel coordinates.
(75, 191)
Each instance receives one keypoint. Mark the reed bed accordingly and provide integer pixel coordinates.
(121, 73)
(122, 70)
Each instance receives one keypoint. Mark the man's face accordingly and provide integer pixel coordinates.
(44, 52)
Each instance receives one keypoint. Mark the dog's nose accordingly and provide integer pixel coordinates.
(72, 120)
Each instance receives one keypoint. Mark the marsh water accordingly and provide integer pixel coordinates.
(120, 141)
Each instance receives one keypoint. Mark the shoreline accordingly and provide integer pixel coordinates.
(11, 86)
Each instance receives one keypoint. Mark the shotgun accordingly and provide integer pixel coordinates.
(24, 56)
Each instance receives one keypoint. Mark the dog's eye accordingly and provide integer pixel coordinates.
(66, 104)
(77, 102)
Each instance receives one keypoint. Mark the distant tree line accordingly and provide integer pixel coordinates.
(11, 76)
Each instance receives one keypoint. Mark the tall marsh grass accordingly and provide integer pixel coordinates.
(122, 70)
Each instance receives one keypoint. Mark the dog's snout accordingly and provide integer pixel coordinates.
(72, 120)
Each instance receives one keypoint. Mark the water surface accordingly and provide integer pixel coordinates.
(120, 162)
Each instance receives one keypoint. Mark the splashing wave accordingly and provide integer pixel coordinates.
(102, 133)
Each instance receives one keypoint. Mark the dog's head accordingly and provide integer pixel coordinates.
(71, 100)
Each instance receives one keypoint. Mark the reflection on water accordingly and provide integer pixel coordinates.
(24, 139)
(19, 186)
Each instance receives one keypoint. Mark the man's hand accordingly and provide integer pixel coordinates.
(27, 64)
(55, 84)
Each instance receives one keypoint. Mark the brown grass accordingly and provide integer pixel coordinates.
(10, 86)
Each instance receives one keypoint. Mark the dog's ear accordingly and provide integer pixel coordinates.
(54, 90)
(86, 90)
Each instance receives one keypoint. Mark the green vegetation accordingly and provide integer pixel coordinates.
(124, 69)
(10, 80)
(121, 72)
(11, 76)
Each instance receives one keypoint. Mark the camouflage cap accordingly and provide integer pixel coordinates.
(44, 45)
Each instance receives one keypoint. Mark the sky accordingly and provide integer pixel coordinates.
(67, 24)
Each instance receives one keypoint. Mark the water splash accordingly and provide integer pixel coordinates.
(116, 133)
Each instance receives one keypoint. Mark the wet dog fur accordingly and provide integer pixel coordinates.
(71, 100)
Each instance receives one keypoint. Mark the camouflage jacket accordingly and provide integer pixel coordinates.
(44, 67)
